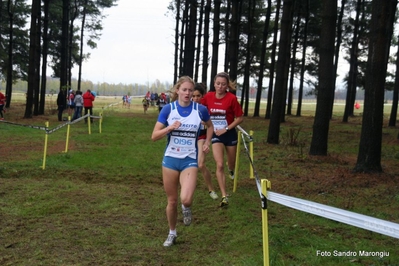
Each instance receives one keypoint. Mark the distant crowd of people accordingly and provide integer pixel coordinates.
(155, 99)
(75, 102)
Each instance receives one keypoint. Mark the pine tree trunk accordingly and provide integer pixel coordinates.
(262, 60)
(394, 110)
(215, 43)
(326, 79)
(382, 20)
(272, 63)
(282, 74)
(32, 58)
(205, 52)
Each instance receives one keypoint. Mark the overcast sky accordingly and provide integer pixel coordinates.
(136, 45)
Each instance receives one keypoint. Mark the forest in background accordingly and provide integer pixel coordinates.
(285, 41)
(136, 89)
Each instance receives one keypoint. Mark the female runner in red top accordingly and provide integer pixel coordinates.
(226, 113)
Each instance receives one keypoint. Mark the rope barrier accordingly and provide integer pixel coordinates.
(50, 131)
(23, 125)
(78, 119)
(240, 129)
(249, 137)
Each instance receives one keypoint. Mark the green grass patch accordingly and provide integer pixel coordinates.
(102, 202)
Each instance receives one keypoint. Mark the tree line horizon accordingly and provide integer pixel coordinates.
(135, 89)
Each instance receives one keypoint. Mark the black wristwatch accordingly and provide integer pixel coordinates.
(227, 128)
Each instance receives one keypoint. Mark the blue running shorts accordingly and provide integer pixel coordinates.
(179, 164)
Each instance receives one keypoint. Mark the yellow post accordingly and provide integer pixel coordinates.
(265, 184)
(89, 121)
(67, 136)
(251, 154)
(45, 147)
(237, 161)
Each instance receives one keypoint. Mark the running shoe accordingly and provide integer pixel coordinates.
(231, 173)
(171, 240)
(187, 216)
(224, 202)
(213, 195)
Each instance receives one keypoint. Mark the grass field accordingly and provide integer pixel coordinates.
(102, 202)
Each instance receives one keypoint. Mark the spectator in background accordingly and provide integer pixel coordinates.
(152, 99)
(78, 105)
(61, 103)
(71, 102)
(162, 101)
(128, 100)
(145, 104)
(2, 105)
(156, 96)
(88, 99)
(148, 96)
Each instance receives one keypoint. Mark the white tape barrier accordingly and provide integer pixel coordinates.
(347, 217)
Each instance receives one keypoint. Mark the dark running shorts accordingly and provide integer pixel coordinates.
(229, 138)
